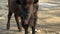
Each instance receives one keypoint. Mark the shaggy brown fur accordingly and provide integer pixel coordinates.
(26, 10)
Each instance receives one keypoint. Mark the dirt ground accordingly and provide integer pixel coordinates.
(48, 18)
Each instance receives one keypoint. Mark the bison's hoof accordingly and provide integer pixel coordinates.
(8, 28)
(20, 30)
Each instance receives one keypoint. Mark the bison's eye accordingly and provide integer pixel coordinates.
(19, 2)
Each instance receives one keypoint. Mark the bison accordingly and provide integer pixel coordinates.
(26, 10)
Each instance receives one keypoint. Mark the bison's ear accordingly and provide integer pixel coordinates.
(35, 1)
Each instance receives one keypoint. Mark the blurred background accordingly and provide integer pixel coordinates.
(48, 18)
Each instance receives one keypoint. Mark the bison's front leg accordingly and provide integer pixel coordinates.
(8, 22)
(26, 29)
(33, 29)
(25, 26)
(18, 23)
(33, 21)
(33, 24)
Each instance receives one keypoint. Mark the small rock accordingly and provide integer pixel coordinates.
(2, 18)
(36, 30)
(30, 31)
(57, 33)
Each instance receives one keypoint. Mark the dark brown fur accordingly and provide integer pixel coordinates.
(26, 10)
